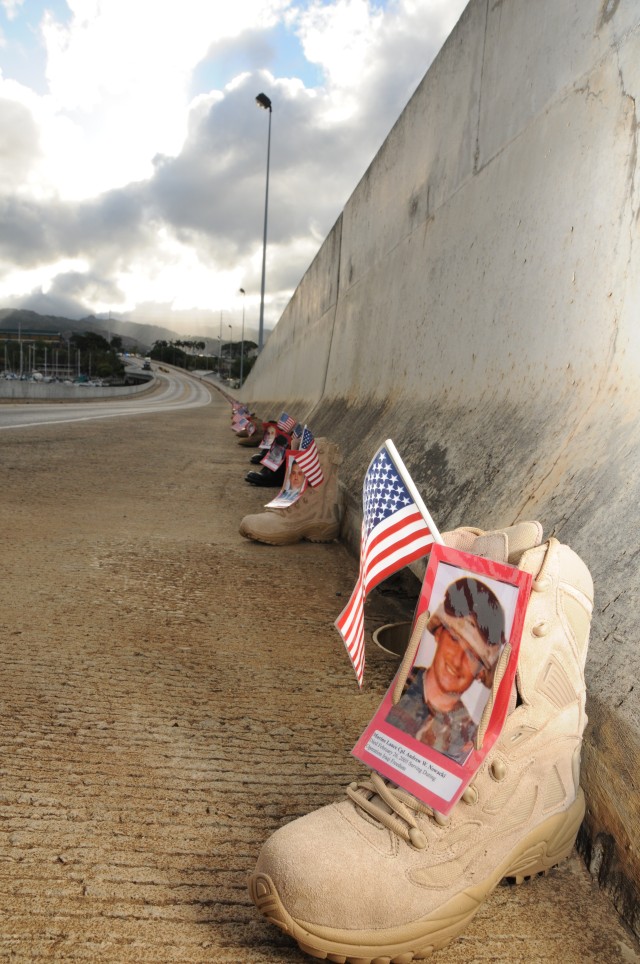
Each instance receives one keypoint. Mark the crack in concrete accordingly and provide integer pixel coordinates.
(609, 8)
(476, 153)
(586, 89)
(335, 314)
(633, 155)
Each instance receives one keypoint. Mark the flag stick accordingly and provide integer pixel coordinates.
(408, 481)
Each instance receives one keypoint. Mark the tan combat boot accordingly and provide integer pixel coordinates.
(381, 876)
(316, 515)
(253, 440)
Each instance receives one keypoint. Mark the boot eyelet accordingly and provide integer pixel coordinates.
(498, 770)
(417, 838)
(542, 629)
(541, 585)
(470, 795)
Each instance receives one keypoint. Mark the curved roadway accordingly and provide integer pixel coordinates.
(174, 391)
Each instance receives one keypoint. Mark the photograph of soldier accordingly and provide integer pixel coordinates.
(468, 628)
(270, 432)
(295, 483)
(274, 458)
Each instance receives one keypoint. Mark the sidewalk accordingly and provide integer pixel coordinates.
(171, 694)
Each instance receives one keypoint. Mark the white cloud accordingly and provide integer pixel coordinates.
(129, 191)
(362, 47)
(11, 7)
(19, 281)
(339, 37)
(119, 72)
(20, 143)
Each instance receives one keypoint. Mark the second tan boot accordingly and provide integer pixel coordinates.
(315, 516)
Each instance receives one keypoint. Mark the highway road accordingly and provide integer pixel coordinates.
(174, 391)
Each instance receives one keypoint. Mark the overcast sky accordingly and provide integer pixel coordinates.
(133, 154)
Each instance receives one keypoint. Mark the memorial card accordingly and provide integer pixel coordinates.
(295, 482)
(276, 454)
(269, 436)
(449, 700)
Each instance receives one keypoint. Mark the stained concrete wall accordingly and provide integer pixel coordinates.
(478, 302)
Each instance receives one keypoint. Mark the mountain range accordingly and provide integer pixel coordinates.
(135, 336)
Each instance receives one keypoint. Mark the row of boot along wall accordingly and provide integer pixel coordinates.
(302, 468)
(473, 756)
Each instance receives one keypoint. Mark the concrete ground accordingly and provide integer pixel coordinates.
(172, 693)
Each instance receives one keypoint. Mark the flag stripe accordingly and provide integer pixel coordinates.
(394, 539)
(307, 458)
(380, 538)
(394, 533)
(286, 422)
(402, 550)
(343, 618)
(350, 617)
(419, 552)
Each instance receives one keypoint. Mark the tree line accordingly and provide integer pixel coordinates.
(191, 354)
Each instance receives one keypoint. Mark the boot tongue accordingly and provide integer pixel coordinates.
(507, 545)
(379, 804)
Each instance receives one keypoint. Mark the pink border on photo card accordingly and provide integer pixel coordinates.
(437, 779)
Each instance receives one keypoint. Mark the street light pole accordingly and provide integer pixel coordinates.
(263, 101)
(243, 293)
(230, 349)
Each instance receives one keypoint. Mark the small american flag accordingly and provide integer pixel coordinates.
(240, 424)
(307, 458)
(297, 431)
(395, 532)
(286, 422)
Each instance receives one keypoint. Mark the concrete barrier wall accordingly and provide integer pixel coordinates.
(19, 391)
(300, 345)
(479, 303)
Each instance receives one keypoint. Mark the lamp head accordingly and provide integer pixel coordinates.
(263, 101)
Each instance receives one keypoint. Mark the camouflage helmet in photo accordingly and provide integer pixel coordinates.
(472, 612)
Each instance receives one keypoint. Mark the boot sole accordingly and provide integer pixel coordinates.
(291, 537)
(541, 850)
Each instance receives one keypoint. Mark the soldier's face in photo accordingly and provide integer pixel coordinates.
(296, 476)
(454, 665)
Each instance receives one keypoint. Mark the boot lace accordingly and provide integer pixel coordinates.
(390, 805)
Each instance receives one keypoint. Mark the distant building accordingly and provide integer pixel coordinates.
(25, 335)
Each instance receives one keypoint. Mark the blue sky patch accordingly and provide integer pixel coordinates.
(23, 56)
(277, 50)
